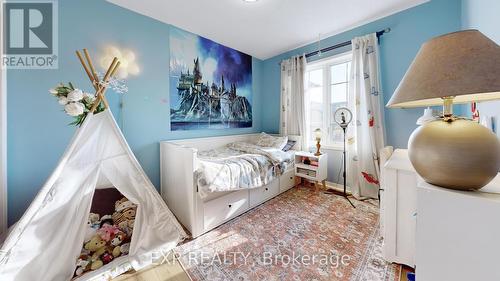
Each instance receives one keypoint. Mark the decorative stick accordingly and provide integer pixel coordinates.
(86, 69)
(102, 89)
(106, 78)
(111, 67)
(100, 86)
(91, 65)
(110, 73)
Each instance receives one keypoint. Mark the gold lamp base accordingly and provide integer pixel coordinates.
(459, 154)
(318, 146)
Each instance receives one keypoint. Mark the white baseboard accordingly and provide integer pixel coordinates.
(338, 187)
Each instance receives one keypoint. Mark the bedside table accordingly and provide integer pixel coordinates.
(457, 233)
(315, 173)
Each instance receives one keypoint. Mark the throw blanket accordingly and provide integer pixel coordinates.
(239, 165)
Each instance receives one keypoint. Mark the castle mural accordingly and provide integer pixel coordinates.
(210, 84)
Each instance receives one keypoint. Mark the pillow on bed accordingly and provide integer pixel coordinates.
(266, 140)
(289, 144)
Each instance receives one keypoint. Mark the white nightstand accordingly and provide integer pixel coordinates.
(458, 233)
(313, 173)
(398, 207)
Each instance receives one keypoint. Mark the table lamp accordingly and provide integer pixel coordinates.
(459, 67)
(317, 135)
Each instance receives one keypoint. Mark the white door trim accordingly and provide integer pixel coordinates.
(3, 133)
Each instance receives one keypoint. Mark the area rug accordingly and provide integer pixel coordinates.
(299, 235)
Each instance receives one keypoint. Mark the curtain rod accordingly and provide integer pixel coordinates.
(343, 44)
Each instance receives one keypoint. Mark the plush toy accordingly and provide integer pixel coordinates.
(94, 220)
(123, 204)
(124, 226)
(118, 238)
(92, 226)
(97, 247)
(107, 219)
(96, 264)
(116, 242)
(125, 211)
(124, 248)
(95, 244)
(107, 258)
(82, 264)
(107, 232)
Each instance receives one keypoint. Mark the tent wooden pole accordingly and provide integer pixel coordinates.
(91, 65)
(100, 86)
(113, 72)
(102, 90)
(110, 73)
(87, 70)
(91, 77)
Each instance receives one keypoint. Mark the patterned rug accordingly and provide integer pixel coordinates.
(299, 235)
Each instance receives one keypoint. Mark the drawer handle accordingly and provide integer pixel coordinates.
(230, 205)
(291, 178)
(267, 189)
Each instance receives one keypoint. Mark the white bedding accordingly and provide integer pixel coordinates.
(239, 165)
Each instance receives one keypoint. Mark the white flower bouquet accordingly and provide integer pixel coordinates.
(76, 102)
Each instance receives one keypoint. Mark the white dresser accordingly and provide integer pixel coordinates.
(398, 204)
(458, 233)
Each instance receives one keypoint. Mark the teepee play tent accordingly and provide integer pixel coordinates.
(47, 240)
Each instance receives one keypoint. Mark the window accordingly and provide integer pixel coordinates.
(327, 86)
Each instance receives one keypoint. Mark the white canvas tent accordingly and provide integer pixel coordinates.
(47, 240)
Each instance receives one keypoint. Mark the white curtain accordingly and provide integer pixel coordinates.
(292, 115)
(366, 136)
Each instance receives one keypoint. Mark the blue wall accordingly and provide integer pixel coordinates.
(37, 128)
(483, 15)
(409, 29)
(38, 131)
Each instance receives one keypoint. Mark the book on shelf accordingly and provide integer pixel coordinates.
(306, 172)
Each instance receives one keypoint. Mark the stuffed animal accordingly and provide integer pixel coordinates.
(94, 220)
(124, 226)
(107, 258)
(92, 226)
(106, 219)
(107, 232)
(118, 238)
(96, 264)
(95, 244)
(124, 248)
(125, 211)
(116, 242)
(123, 204)
(97, 247)
(82, 264)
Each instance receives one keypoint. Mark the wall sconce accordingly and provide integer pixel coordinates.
(128, 64)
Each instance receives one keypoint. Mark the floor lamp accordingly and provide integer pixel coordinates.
(343, 117)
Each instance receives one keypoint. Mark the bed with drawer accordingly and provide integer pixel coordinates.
(208, 181)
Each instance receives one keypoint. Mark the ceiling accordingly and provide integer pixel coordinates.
(266, 28)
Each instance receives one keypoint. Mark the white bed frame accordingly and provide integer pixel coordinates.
(178, 162)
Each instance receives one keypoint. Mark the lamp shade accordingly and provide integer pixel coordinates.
(317, 134)
(464, 65)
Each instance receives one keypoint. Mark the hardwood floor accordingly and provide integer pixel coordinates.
(172, 271)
